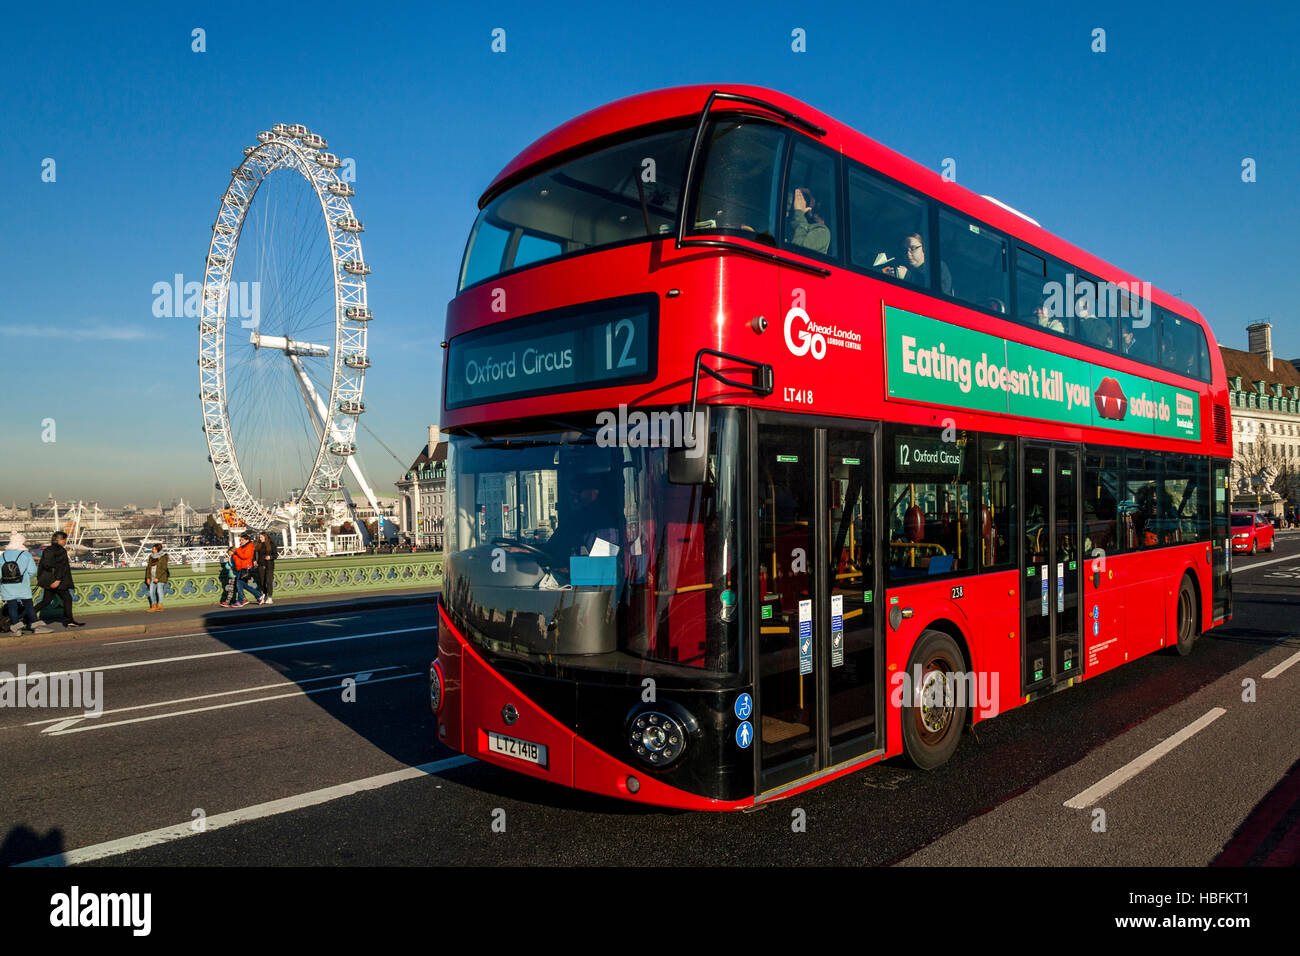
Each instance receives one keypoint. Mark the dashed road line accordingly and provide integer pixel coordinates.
(1134, 767)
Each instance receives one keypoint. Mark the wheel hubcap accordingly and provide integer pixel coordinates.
(936, 705)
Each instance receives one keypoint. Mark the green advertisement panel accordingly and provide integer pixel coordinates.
(931, 361)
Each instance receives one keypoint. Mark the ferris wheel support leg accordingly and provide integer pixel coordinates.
(316, 409)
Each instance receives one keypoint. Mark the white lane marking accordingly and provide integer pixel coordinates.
(198, 710)
(240, 650)
(1270, 674)
(1264, 564)
(230, 629)
(223, 693)
(66, 722)
(1134, 767)
(180, 831)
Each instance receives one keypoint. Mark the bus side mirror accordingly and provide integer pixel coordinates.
(689, 464)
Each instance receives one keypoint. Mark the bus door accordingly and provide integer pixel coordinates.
(1220, 542)
(818, 658)
(1052, 566)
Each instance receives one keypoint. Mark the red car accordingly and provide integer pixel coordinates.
(1251, 532)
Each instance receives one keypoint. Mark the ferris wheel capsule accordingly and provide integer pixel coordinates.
(298, 130)
(352, 407)
(343, 190)
(349, 224)
(249, 150)
(330, 484)
(358, 313)
(265, 136)
(356, 267)
(356, 361)
(343, 448)
(314, 141)
(328, 161)
(281, 129)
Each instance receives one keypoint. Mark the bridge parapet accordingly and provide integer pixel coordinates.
(107, 590)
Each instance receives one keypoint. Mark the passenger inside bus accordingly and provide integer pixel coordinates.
(1043, 316)
(807, 228)
(916, 270)
(1093, 330)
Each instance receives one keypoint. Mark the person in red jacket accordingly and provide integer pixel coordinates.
(245, 562)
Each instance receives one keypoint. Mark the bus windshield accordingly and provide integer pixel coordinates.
(565, 550)
(613, 195)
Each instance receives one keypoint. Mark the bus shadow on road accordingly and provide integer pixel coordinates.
(22, 843)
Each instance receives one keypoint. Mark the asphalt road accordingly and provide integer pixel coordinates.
(248, 747)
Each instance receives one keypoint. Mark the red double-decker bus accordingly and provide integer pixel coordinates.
(773, 454)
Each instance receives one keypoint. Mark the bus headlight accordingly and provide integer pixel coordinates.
(435, 687)
(657, 738)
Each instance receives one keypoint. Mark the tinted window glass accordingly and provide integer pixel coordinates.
(1139, 329)
(1101, 495)
(1185, 514)
(811, 202)
(613, 195)
(885, 224)
(974, 263)
(741, 175)
(997, 501)
(1040, 293)
(1139, 510)
(1181, 343)
(1094, 312)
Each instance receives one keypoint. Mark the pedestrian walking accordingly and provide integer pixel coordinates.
(245, 562)
(228, 576)
(266, 555)
(16, 572)
(54, 574)
(155, 576)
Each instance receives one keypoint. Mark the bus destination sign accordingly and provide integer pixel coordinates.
(590, 346)
(923, 454)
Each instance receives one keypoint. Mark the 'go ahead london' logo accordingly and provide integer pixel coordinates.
(811, 337)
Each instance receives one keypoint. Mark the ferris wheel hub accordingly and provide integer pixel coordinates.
(286, 345)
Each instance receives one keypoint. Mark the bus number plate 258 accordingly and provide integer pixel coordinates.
(519, 749)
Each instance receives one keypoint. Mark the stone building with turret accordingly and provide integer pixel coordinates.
(422, 494)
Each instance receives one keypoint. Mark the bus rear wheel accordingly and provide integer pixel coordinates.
(1187, 625)
(935, 714)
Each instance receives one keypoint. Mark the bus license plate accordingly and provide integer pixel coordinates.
(519, 749)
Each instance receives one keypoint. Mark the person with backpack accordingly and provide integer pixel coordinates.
(228, 575)
(16, 571)
(54, 574)
(266, 555)
(155, 576)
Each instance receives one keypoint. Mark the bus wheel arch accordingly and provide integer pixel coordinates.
(932, 722)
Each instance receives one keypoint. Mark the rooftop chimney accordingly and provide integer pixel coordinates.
(1260, 338)
(435, 436)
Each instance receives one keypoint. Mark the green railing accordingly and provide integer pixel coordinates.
(123, 589)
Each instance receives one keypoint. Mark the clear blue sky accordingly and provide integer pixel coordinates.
(1134, 154)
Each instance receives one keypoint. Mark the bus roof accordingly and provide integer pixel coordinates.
(657, 106)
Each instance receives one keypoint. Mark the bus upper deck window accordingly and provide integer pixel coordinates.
(740, 180)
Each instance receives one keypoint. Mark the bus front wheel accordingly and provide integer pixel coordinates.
(1188, 630)
(934, 713)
